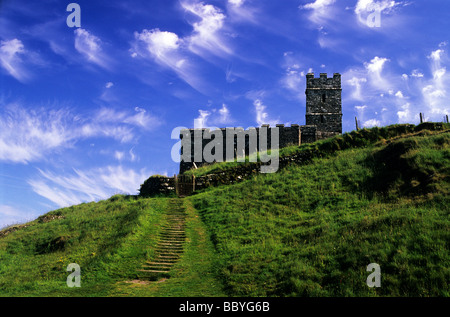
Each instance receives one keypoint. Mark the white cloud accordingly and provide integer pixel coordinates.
(434, 90)
(404, 115)
(213, 118)
(206, 35)
(167, 50)
(357, 82)
(321, 13)
(119, 155)
(262, 117)
(374, 70)
(109, 84)
(318, 4)
(436, 55)
(224, 114)
(90, 46)
(417, 74)
(399, 94)
(236, 3)
(28, 135)
(365, 8)
(201, 121)
(376, 64)
(372, 123)
(11, 53)
(159, 43)
(85, 186)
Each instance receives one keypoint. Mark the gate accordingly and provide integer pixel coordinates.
(184, 185)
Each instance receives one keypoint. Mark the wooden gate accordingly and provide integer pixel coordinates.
(185, 185)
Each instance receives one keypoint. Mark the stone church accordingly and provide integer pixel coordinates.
(323, 120)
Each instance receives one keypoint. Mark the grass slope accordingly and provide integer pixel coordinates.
(110, 240)
(312, 230)
(373, 196)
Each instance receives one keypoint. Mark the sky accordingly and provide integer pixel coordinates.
(91, 98)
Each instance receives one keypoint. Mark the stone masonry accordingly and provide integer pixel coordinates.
(323, 120)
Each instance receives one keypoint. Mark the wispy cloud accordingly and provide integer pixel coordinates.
(31, 134)
(294, 78)
(11, 59)
(435, 91)
(169, 51)
(206, 34)
(262, 116)
(85, 186)
(180, 54)
(90, 46)
(321, 11)
(374, 71)
(213, 118)
(365, 9)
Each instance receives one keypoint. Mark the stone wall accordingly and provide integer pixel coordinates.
(193, 141)
(158, 185)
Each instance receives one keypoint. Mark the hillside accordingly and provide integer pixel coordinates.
(308, 230)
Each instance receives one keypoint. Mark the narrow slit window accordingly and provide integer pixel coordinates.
(323, 97)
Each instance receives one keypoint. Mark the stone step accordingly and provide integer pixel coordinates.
(154, 271)
(166, 265)
(169, 248)
(170, 245)
(159, 263)
(167, 258)
(173, 240)
(163, 260)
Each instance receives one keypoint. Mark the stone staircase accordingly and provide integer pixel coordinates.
(170, 243)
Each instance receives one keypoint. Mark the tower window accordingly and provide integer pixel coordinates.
(321, 119)
(323, 97)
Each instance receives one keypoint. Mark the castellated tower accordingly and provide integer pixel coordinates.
(324, 104)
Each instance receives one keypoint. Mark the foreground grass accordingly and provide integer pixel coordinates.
(312, 230)
(110, 240)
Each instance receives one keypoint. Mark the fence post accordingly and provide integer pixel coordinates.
(175, 179)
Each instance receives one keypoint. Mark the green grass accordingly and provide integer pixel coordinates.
(327, 147)
(110, 240)
(312, 230)
(372, 196)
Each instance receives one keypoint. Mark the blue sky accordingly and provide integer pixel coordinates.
(87, 112)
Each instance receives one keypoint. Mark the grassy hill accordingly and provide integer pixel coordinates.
(307, 230)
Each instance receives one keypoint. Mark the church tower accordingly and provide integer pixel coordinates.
(324, 104)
